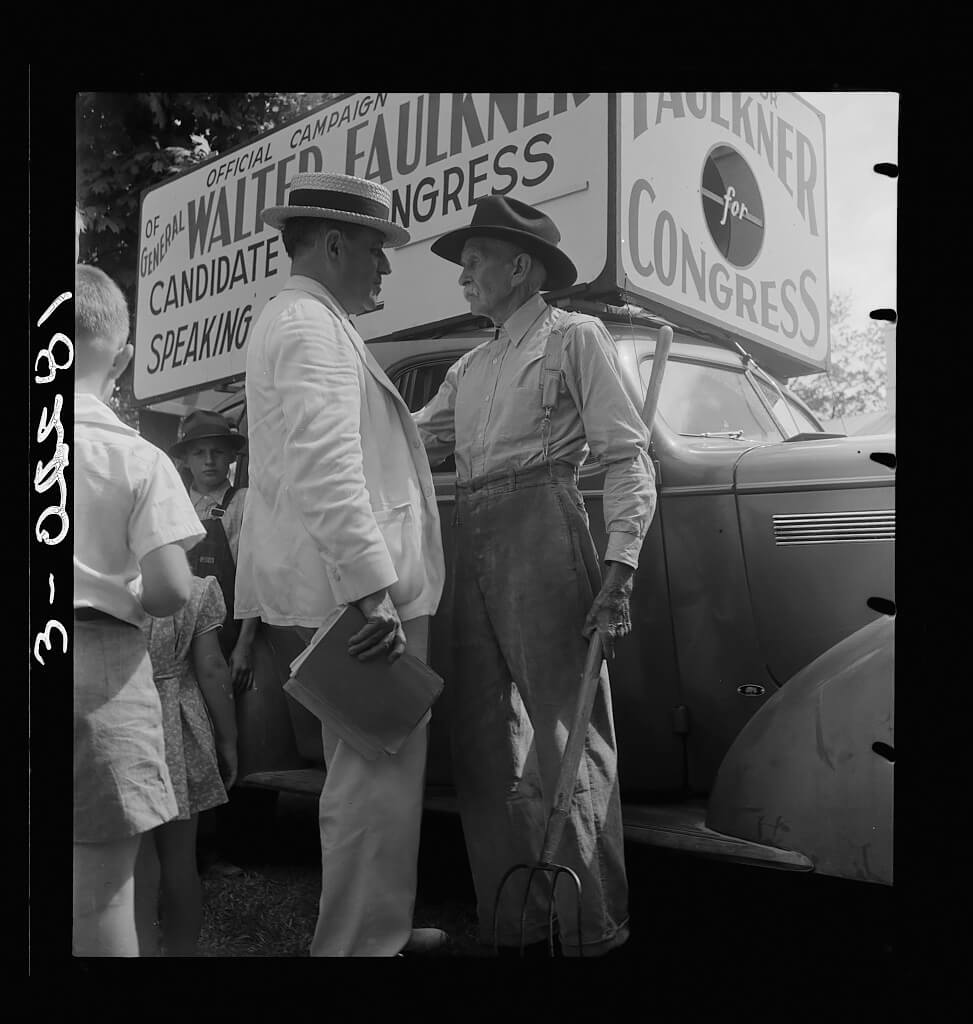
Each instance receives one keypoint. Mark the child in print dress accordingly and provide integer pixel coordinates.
(199, 724)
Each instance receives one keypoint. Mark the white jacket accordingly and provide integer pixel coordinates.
(341, 500)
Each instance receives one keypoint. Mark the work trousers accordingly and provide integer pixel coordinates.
(369, 816)
(525, 573)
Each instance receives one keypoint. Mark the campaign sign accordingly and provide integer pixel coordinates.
(722, 215)
(208, 263)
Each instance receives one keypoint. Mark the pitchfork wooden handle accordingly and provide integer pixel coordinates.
(659, 359)
(572, 750)
(592, 669)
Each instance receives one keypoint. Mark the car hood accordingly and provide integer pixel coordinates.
(832, 461)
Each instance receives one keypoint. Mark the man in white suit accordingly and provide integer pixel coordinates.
(342, 510)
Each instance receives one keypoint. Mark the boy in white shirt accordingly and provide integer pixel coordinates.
(133, 523)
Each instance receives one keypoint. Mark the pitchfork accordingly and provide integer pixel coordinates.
(571, 758)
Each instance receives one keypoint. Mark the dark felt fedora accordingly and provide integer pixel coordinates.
(513, 221)
(201, 424)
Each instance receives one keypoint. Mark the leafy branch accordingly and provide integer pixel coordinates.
(856, 379)
(127, 142)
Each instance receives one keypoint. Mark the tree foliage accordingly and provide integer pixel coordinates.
(127, 142)
(856, 380)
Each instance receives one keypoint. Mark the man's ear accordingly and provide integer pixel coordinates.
(120, 362)
(522, 264)
(332, 241)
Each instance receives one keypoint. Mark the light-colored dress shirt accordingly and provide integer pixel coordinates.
(128, 501)
(232, 518)
(488, 412)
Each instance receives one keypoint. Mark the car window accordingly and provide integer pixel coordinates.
(418, 386)
(428, 379)
(699, 398)
(780, 408)
(403, 383)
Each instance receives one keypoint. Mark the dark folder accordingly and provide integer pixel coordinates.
(373, 705)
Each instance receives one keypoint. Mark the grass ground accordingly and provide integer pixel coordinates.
(271, 908)
(272, 911)
(266, 912)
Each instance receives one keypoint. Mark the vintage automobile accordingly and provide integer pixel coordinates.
(753, 699)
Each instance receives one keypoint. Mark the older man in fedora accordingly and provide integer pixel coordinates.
(527, 587)
(341, 511)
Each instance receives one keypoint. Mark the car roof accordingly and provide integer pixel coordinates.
(396, 352)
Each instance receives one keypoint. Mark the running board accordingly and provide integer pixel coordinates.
(682, 826)
(307, 781)
(676, 826)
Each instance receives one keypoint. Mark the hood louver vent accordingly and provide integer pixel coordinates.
(835, 527)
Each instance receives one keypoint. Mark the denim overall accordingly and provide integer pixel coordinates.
(212, 557)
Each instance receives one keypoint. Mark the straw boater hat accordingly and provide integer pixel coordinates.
(201, 424)
(339, 197)
(513, 221)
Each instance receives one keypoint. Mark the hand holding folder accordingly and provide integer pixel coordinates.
(373, 705)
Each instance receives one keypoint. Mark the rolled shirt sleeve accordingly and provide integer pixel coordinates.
(617, 438)
(316, 377)
(162, 512)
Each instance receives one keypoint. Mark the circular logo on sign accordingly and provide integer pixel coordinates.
(732, 206)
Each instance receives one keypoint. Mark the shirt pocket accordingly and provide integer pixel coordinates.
(517, 410)
(518, 415)
(401, 533)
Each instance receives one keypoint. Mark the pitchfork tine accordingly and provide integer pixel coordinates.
(555, 871)
(523, 908)
(496, 900)
(560, 807)
(550, 916)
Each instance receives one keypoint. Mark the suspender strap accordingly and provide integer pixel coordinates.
(217, 511)
(552, 381)
(552, 375)
(213, 557)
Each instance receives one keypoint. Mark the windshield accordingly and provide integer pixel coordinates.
(703, 400)
(787, 411)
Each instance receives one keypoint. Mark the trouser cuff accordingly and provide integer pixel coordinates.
(598, 948)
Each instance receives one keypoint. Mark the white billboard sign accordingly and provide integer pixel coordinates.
(722, 214)
(208, 263)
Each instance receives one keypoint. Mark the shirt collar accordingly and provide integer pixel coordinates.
(196, 497)
(312, 285)
(521, 320)
(88, 409)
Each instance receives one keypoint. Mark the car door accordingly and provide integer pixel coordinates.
(709, 414)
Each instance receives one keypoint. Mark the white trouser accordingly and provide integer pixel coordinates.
(369, 816)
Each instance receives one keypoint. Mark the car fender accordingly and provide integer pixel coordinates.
(812, 771)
